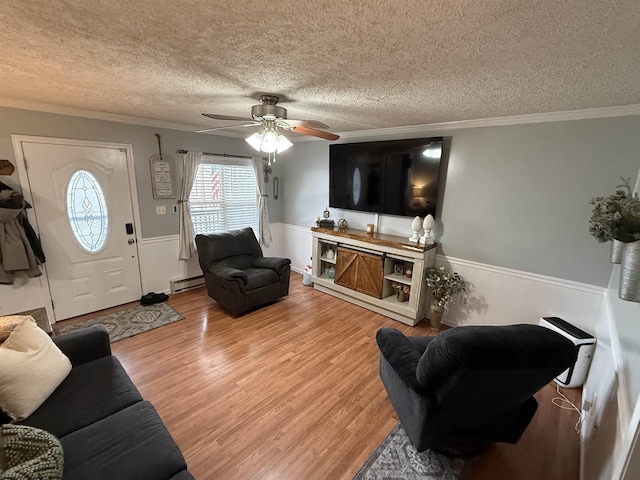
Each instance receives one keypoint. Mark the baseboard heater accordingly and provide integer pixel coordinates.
(183, 284)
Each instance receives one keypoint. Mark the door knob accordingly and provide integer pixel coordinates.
(131, 241)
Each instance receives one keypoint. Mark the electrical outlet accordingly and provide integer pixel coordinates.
(174, 209)
(589, 403)
(161, 209)
(464, 300)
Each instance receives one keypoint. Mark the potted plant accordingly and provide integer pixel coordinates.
(616, 218)
(445, 285)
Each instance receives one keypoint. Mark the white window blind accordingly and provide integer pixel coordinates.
(224, 196)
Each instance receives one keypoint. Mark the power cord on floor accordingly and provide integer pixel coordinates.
(561, 402)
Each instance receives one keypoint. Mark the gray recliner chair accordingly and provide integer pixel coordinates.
(237, 274)
(469, 386)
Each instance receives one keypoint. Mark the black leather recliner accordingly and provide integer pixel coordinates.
(237, 274)
(471, 385)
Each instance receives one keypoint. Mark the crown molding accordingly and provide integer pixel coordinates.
(408, 130)
(589, 113)
(95, 115)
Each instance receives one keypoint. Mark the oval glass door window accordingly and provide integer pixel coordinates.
(87, 211)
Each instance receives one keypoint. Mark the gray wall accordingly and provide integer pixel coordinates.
(515, 196)
(145, 144)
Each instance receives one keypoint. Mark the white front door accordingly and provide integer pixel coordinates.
(84, 215)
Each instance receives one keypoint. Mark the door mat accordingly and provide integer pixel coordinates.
(397, 459)
(127, 323)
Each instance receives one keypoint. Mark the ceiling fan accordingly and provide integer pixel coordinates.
(271, 116)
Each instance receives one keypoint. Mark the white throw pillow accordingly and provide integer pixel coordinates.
(31, 368)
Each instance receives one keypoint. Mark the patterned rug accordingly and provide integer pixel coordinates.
(129, 322)
(397, 459)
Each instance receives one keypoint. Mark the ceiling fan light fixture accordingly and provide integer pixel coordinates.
(283, 143)
(269, 141)
(255, 140)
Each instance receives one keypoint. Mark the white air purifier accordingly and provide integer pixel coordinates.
(576, 375)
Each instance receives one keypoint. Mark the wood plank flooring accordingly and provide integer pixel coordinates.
(291, 391)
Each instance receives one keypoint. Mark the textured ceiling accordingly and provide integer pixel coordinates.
(354, 65)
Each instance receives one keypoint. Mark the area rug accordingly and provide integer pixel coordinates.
(129, 322)
(397, 459)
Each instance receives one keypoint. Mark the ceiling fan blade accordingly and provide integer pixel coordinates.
(227, 117)
(204, 130)
(315, 133)
(306, 123)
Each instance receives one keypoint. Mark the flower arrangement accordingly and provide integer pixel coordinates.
(398, 287)
(402, 291)
(445, 285)
(616, 217)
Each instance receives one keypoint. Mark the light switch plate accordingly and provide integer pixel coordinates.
(161, 209)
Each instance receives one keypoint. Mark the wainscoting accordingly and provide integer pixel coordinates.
(24, 294)
(159, 262)
(499, 296)
(610, 400)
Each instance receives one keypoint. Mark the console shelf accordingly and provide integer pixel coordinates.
(397, 255)
(398, 278)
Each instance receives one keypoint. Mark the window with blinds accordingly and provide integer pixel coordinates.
(224, 196)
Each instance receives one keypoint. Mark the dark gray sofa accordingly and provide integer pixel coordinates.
(106, 429)
(237, 274)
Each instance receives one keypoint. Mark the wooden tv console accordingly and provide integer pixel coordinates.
(364, 265)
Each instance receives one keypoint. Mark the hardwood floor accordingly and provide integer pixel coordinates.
(291, 391)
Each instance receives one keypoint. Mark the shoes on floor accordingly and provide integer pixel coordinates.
(152, 297)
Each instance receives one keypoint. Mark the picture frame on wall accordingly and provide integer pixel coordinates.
(162, 176)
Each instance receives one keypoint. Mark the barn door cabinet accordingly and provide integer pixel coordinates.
(360, 271)
(364, 268)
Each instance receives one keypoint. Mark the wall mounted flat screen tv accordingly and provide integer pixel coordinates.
(395, 177)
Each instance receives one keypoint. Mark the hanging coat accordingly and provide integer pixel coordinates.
(16, 253)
